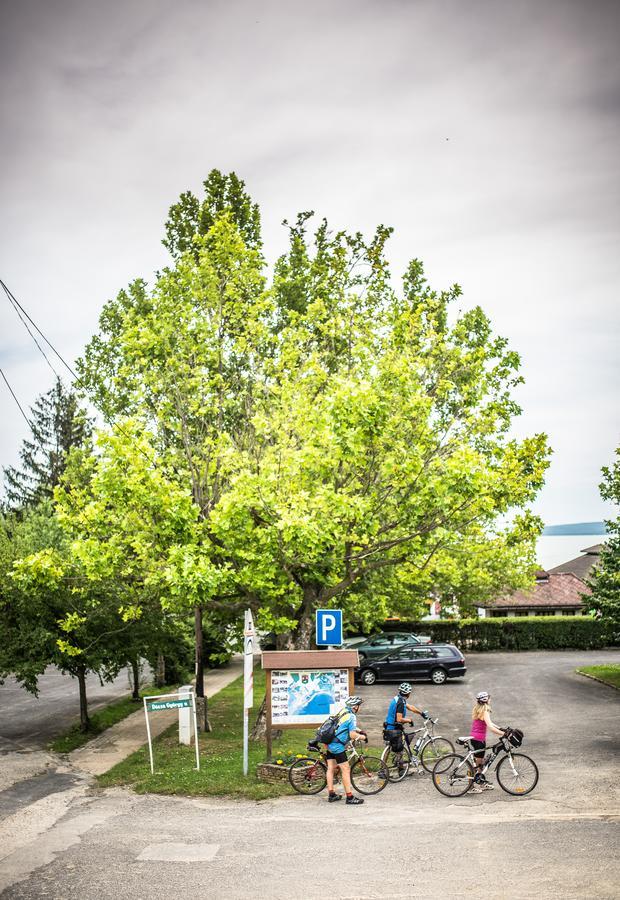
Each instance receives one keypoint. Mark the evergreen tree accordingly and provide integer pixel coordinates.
(605, 580)
(57, 424)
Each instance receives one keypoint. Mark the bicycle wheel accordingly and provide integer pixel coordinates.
(369, 775)
(517, 774)
(397, 765)
(434, 750)
(308, 776)
(453, 775)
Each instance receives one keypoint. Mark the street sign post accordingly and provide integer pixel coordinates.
(329, 627)
(249, 638)
(181, 701)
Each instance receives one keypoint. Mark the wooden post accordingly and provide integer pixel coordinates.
(268, 716)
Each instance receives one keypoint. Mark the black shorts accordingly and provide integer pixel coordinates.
(395, 738)
(478, 745)
(339, 757)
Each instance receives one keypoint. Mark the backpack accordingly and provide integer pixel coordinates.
(326, 732)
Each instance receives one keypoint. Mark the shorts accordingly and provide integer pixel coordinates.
(339, 757)
(395, 739)
(478, 745)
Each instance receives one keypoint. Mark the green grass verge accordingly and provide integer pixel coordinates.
(102, 719)
(221, 755)
(609, 674)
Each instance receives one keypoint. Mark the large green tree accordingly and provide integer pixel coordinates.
(605, 578)
(339, 437)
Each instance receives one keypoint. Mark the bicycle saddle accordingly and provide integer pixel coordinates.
(464, 742)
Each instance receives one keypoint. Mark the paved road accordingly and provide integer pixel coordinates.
(28, 722)
(560, 842)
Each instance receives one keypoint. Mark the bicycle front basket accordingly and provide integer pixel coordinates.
(516, 737)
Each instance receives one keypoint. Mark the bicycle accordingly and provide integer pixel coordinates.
(427, 749)
(517, 774)
(309, 776)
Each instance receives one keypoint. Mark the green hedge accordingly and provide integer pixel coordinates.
(521, 633)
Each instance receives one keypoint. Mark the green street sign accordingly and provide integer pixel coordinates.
(169, 704)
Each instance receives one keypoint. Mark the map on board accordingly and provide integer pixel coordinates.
(307, 697)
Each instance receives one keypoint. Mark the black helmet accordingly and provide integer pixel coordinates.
(405, 689)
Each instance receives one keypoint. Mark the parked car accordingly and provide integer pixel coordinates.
(434, 662)
(379, 645)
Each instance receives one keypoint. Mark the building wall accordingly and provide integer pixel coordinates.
(534, 611)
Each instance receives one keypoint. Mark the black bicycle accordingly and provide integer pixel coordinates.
(517, 774)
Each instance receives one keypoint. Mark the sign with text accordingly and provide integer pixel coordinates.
(183, 699)
(328, 627)
(249, 640)
(307, 697)
(155, 705)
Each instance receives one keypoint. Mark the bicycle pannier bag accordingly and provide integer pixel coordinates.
(516, 737)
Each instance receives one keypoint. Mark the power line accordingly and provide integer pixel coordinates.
(21, 409)
(15, 306)
(18, 306)
(76, 379)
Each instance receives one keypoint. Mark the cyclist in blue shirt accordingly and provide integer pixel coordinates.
(396, 717)
(347, 730)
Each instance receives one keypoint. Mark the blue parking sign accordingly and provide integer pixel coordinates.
(328, 627)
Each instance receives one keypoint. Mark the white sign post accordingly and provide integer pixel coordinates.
(185, 699)
(249, 637)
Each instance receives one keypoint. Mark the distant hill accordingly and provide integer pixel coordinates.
(576, 528)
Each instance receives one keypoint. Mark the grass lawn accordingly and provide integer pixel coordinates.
(102, 719)
(609, 674)
(221, 755)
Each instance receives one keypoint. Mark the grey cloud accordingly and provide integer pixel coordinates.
(114, 108)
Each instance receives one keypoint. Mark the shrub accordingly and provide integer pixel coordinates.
(522, 633)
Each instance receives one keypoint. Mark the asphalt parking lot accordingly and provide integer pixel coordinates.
(409, 841)
(567, 719)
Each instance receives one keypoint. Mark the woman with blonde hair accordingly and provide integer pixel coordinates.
(481, 720)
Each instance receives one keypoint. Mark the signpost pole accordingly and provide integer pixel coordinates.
(196, 732)
(148, 732)
(248, 681)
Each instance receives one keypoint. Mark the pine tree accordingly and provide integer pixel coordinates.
(605, 580)
(57, 423)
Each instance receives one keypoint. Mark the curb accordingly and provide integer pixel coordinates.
(595, 678)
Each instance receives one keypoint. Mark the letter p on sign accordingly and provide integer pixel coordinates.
(328, 627)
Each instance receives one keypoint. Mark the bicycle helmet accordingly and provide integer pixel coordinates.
(482, 697)
(352, 702)
(405, 689)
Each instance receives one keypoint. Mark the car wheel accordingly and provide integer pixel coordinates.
(438, 676)
(368, 677)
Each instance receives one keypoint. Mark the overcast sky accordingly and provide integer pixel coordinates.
(485, 132)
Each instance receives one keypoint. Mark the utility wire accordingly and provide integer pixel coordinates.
(13, 303)
(76, 379)
(18, 307)
(21, 409)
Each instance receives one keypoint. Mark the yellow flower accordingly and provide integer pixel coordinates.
(300, 756)
(279, 761)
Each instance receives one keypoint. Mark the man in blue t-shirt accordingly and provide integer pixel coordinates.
(346, 730)
(396, 717)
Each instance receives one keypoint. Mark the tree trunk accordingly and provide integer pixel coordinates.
(84, 720)
(135, 669)
(160, 670)
(303, 636)
(200, 669)
(260, 726)
(202, 703)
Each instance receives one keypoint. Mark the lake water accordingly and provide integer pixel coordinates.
(555, 549)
